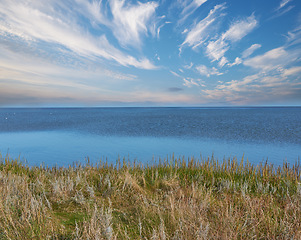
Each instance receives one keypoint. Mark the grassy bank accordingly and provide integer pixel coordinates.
(174, 199)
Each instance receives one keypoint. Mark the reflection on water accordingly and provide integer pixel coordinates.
(63, 148)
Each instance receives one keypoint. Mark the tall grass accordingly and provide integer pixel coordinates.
(173, 199)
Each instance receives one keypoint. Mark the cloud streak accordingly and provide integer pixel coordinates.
(249, 51)
(198, 34)
(30, 22)
(282, 9)
(203, 70)
(216, 49)
(204, 34)
(190, 82)
(282, 4)
(292, 71)
(276, 58)
(130, 22)
(190, 8)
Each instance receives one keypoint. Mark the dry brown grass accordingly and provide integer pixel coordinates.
(171, 200)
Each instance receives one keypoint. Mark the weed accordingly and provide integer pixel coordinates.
(171, 199)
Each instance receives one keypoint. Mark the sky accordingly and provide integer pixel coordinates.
(150, 53)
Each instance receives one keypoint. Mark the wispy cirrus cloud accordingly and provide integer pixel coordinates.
(283, 8)
(189, 8)
(276, 58)
(189, 82)
(204, 70)
(240, 29)
(192, 6)
(32, 21)
(237, 61)
(199, 33)
(130, 21)
(282, 4)
(216, 49)
(25, 68)
(175, 74)
(249, 51)
(294, 36)
(95, 11)
(205, 33)
(292, 71)
(282, 12)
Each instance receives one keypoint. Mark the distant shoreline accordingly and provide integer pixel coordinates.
(125, 107)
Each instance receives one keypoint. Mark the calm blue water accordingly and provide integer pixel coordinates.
(63, 136)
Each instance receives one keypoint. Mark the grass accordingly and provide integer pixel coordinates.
(173, 199)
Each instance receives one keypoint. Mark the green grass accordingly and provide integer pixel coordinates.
(173, 199)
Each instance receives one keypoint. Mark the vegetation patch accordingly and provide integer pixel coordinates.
(173, 199)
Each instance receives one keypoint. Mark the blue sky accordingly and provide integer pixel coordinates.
(150, 53)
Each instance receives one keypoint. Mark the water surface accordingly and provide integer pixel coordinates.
(64, 135)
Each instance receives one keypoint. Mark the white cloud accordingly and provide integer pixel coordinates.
(249, 51)
(282, 9)
(236, 62)
(131, 21)
(292, 71)
(157, 57)
(283, 3)
(32, 21)
(188, 66)
(175, 74)
(273, 82)
(154, 29)
(257, 88)
(199, 33)
(276, 58)
(185, 31)
(203, 70)
(189, 82)
(240, 29)
(41, 70)
(282, 12)
(94, 10)
(222, 62)
(190, 9)
(192, 6)
(294, 36)
(216, 49)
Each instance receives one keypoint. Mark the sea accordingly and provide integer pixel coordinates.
(64, 136)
